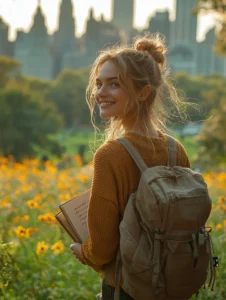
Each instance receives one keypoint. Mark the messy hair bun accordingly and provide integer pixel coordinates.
(154, 46)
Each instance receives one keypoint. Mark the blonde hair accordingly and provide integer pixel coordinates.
(144, 63)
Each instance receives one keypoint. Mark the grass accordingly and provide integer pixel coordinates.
(74, 143)
(74, 140)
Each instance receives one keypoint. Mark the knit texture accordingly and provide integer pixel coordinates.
(115, 177)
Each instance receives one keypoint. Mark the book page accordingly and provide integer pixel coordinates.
(67, 227)
(75, 211)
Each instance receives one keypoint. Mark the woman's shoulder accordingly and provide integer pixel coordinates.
(110, 151)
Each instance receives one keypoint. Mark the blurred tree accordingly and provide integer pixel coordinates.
(31, 85)
(219, 7)
(68, 93)
(212, 138)
(205, 91)
(209, 92)
(9, 67)
(38, 85)
(27, 121)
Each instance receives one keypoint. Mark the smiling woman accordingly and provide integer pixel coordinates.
(130, 85)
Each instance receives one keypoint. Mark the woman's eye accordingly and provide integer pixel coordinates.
(98, 86)
(114, 84)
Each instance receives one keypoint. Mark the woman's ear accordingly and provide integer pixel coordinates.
(145, 92)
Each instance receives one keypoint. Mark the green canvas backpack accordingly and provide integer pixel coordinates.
(165, 249)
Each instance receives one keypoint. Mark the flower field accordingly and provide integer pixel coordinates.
(35, 258)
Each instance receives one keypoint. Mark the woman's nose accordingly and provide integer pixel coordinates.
(102, 91)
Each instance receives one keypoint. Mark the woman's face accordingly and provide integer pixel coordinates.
(111, 97)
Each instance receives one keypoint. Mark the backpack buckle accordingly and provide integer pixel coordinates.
(161, 236)
(215, 261)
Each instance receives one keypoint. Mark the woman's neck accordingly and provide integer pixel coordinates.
(152, 130)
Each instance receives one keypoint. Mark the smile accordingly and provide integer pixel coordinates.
(105, 104)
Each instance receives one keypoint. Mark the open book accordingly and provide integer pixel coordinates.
(73, 217)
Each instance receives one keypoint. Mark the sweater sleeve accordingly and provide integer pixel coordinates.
(103, 213)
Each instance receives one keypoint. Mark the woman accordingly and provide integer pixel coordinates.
(131, 87)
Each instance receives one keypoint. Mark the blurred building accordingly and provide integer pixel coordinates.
(65, 43)
(181, 58)
(6, 47)
(160, 23)
(207, 60)
(32, 49)
(184, 29)
(183, 45)
(185, 53)
(123, 14)
(99, 34)
(44, 55)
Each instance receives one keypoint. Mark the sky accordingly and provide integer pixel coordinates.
(18, 13)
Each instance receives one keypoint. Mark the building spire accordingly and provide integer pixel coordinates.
(121, 21)
(66, 19)
(39, 26)
(91, 13)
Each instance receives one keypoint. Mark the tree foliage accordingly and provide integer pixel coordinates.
(9, 67)
(218, 7)
(25, 122)
(68, 94)
(213, 138)
(209, 92)
(206, 92)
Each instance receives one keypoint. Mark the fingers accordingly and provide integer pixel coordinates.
(72, 247)
(75, 248)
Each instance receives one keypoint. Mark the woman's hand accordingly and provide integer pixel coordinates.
(76, 250)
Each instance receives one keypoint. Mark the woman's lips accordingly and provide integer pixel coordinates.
(105, 104)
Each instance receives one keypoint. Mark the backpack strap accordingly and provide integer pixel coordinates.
(118, 273)
(172, 151)
(133, 152)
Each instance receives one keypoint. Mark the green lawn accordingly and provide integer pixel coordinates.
(72, 142)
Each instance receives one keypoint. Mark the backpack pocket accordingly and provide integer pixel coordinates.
(130, 233)
(129, 245)
(182, 277)
(135, 249)
(134, 255)
(140, 264)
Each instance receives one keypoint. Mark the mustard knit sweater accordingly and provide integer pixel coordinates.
(116, 176)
